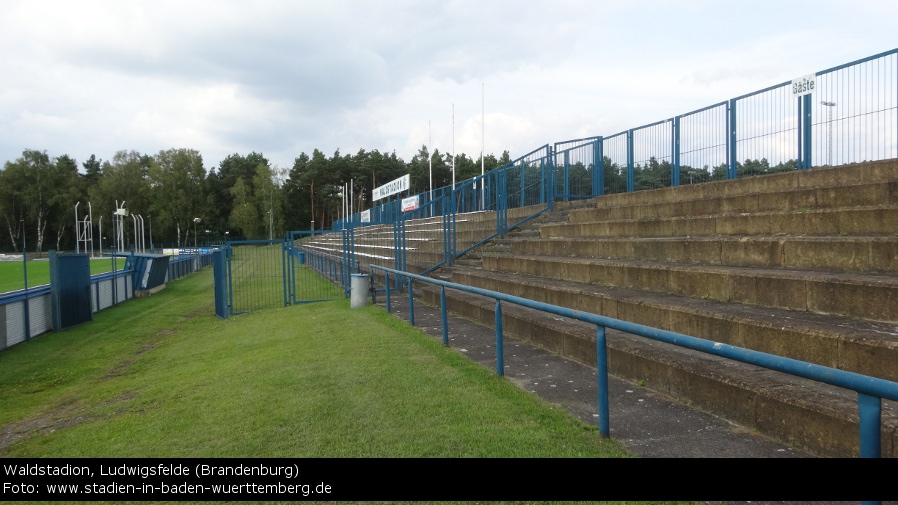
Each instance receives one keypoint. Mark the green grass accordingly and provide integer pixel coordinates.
(163, 377)
(12, 273)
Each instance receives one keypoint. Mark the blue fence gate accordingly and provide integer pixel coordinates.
(313, 275)
(256, 276)
(264, 274)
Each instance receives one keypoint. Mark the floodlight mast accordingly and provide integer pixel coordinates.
(482, 148)
(136, 242)
(119, 225)
(196, 220)
(84, 230)
(77, 230)
(90, 227)
(430, 156)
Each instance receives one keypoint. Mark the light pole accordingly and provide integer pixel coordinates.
(829, 130)
(312, 201)
(196, 221)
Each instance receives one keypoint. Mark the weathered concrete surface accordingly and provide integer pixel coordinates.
(818, 419)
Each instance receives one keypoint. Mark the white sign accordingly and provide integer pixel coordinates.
(391, 188)
(803, 85)
(366, 216)
(410, 203)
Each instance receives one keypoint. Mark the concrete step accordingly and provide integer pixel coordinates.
(784, 200)
(796, 290)
(824, 177)
(864, 221)
(846, 343)
(842, 253)
(816, 418)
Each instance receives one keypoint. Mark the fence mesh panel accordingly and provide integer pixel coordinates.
(256, 276)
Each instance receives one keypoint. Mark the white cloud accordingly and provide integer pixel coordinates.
(281, 78)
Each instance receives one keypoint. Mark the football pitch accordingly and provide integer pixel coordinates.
(12, 273)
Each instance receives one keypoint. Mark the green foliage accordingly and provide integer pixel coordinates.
(171, 188)
(177, 179)
(244, 215)
(124, 179)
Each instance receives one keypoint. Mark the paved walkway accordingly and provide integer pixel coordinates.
(646, 422)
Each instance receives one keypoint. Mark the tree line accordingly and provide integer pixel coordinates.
(244, 197)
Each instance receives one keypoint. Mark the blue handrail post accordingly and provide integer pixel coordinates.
(411, 303)
(870, 412)
(387, 286)
(444, 315)
(500, 354)
(371, 283)
(602, 381)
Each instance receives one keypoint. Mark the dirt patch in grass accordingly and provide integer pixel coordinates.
(61, 417)
(121, 369)
(203, 310)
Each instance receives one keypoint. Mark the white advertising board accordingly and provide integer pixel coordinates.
(391, 188)
(409, 204)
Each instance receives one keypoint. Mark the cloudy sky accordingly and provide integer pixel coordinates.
(286, 77)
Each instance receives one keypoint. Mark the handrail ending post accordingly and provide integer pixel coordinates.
(602, 381)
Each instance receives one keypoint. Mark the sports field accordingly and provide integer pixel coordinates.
(12, 273)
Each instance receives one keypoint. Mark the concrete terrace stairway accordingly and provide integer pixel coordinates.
(801, 264)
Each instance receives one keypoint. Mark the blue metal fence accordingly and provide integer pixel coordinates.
(851, 116)
(26, 313)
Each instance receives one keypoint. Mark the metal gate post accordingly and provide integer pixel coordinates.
(219, 273)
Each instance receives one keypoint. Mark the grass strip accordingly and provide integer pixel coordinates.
(163, 377)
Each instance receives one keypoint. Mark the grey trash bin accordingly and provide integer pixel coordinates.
(358, 296)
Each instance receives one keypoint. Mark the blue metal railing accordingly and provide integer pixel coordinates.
(765, 131)
(870, 390)
(852, 117)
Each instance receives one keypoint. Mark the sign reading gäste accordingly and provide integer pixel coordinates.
(804, 85)
(391, 188)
